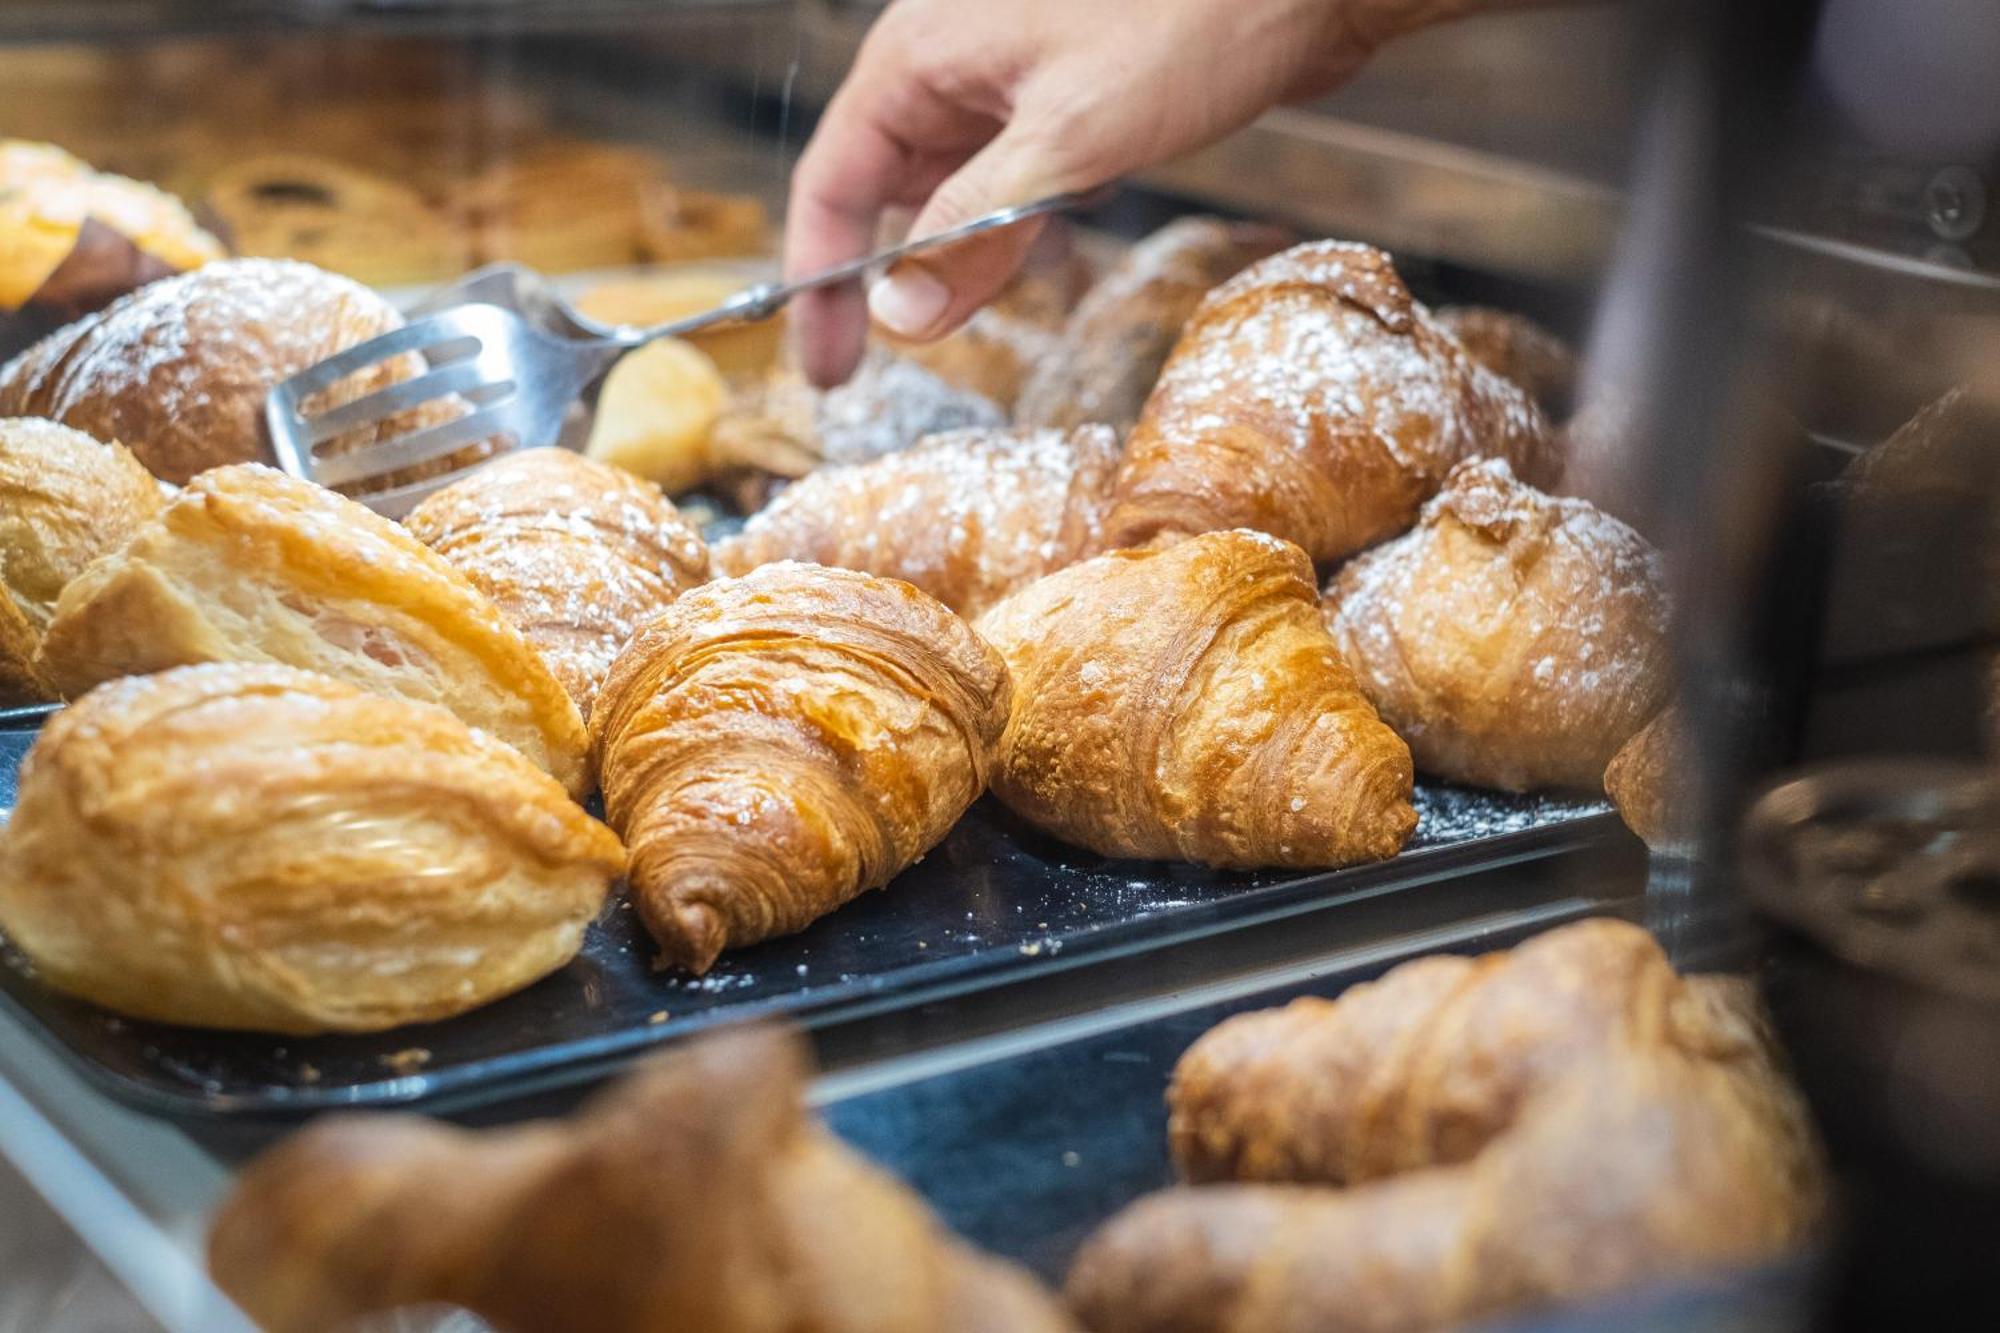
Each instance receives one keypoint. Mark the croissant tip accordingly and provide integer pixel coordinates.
(690, 935)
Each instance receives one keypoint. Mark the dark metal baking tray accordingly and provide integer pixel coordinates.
(1026, 1151)
(995, 903)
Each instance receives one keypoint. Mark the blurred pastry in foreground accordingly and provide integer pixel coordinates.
(46, 195)
(1187, 704)
(786, 427)
(656, 412)
(967, 516)
(578, 554)
(1518, 348)
(69, 499)
(249, 565)
(297, 206)
(1113, 346)
(773, 746)
(1556, 1123)
(178, 370)
(1651, 782)
(1514, 639)
(1313, 398)
(259, 847)
(586, 1223)
(641, 300)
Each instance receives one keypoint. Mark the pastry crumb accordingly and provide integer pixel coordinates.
(408, 1060)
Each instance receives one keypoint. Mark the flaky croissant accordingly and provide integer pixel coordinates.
(1516, 348)
(697, 1194)
(1651, 781)
(1530, 1127)
(577, 553)
(774, 745)
(1514, 639)
(1186, 704)
(1313, 398)
(967, 516)
(248, 564)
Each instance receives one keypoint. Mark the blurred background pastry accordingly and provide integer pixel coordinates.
(299, 206)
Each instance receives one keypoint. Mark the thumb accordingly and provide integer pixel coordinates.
(929, 295)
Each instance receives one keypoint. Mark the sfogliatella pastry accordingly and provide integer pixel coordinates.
(259, 847)
(772, 746)
(297, 206)
(1517, 348)
(1514, 639)
(177, 371)
(1313, 398)
(249, 565)
(68, 499)
(1528, 1129)
(576, 553)
(589, 1223)
(46, 196)
(968, 516)
(1114, 344)
(786, 427)
(1188, 704)
(1651, 781)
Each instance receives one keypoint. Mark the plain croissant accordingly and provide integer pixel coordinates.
(697, 1194)
(1313, 398)
(1188, 704)
(774, 745)
(1531, 1127)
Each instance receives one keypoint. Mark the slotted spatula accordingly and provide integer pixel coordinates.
(515, 380)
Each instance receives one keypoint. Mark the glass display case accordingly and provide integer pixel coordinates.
(1758, 267)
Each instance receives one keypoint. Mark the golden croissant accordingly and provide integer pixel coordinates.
(1313, 398)
(261, 847)
(1187, 704)
(247, 564)
(968, 516)
(1517, 1130)
(774, 745)
(697, 1194)
(577, 553)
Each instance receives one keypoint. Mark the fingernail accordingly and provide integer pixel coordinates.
(908, 303)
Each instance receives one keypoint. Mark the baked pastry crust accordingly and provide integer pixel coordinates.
(1651, 781)
(65, 499)
(1516, 348)
(967, 516)
(1514, 639)
(1313, 398)
(696, 1194)
(1114, 345)
(264, 848)
(178, 369)
(578, 554)
(775, 745)
(992, 354)
(1186, 703)
(249, 565)
(299, 206)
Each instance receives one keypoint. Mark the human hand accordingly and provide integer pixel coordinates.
(958, 107)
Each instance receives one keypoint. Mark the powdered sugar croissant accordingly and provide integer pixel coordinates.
(1187, 704)
(774, 745)
(1313, 398)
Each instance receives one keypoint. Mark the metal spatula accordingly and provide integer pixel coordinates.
(514, 379)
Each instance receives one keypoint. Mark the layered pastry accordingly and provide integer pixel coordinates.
(561, 205)
(1651, 781)
(1514, 639)
(266, 848)
(69, 499)
(249, 565)
(1517, 348)
(298, 206)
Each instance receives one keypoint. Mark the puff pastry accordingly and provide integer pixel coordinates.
(1187, 704)
(1651, 781)
(1313, 398)
(968, 516)
(65, 499)
(249, 565)
(1114, 344)
(774, 745)
(1517, 348)
(178, 369)
(578, 554)
(1533, 1127)
(696, 1194)
(260, 847)
(1514, 639)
